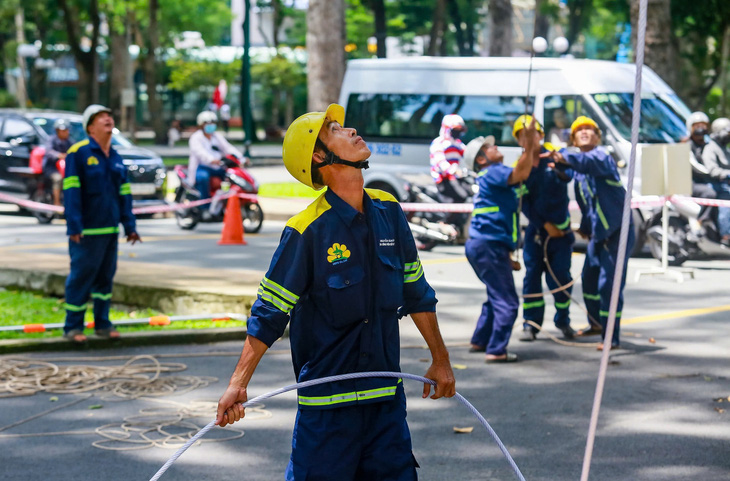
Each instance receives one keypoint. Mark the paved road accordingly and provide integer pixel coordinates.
(660, 418)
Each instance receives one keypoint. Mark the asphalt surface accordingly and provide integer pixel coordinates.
(661, 416)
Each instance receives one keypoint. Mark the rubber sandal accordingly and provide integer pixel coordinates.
(509, 357)
(76, 336)
(613, 347)
(110, 333)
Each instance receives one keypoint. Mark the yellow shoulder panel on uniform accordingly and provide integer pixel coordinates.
(380, 195)
(550, 147)
(302, 220)
(77, 146)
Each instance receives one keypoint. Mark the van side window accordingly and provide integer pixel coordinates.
(560, 111)
(416, 118)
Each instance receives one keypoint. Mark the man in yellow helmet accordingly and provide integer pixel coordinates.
(345, 270)
(605, 211)
(548, 244)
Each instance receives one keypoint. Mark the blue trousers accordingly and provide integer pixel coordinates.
(559, 254)
(597, 277)
(353, 443)
(93, 265)
(202, 178)
(491, 263)
(723, 213)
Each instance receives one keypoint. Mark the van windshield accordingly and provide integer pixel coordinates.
(416, 118)
(660, 123)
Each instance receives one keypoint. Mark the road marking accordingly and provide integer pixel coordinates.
(431, 262)
(674, 315)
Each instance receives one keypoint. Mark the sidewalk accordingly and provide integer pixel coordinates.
(260, 153)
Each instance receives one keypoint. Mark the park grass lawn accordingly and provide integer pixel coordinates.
(23, 307)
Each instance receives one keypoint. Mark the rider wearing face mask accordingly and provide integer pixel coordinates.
(716, 160)
(447, 153)
(207, 148)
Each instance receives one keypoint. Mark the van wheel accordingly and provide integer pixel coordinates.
(385, 187)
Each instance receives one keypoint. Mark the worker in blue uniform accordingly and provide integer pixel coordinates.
(492, 238)
(548, 244)
(605, 213)
(346, 269)
(97, 197)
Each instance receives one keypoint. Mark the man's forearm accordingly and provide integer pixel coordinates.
(253, 351)
(427, 324)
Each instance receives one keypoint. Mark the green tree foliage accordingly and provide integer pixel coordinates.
(189, 75)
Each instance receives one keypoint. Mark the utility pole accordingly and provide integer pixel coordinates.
(22, 91)
(246, 80)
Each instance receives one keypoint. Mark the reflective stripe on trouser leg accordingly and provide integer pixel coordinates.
(533, 308)
(607, 257)
(589, 279)
(102, 286)
(560, 252)
(492, 264)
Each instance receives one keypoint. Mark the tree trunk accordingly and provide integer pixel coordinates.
(326, 49)
(86, 62)
(289, 109)
(154, 102)
(438, 27)
(460, 33)
(661, 51)
(118, 72)
(275, 107)
(542, 22)
(378, 7)
(579, 12)
(500, 28)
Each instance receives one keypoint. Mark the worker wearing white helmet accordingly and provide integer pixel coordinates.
(207, 148)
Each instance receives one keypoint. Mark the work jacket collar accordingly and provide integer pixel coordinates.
(346, 212)
(94, 145)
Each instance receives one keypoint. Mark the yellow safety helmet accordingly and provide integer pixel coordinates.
(581, 121)
(522, 122)
(300, 139)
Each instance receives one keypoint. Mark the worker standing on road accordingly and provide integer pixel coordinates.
(207, 148)
(549, 240)
(56, 148)
(97, 197)
(493, 237)
(345, 270)
(606, 212)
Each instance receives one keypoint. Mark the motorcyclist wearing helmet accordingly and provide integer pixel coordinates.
(446, 154)
(56, 147)
(702, 184)
(548, 236)
(207, 148)
(716, 159)
(345, 270)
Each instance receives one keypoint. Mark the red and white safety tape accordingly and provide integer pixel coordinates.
(153, 209)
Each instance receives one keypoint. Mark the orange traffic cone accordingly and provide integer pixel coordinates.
(232, 232)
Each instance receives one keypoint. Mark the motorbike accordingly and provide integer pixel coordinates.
(433, 228)
(237, 181)
(684, 241)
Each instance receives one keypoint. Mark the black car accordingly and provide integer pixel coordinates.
(23, 130)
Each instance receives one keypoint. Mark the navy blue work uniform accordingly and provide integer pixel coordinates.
(492, 237)
(97, 197)
(545, 199)
(342, 279)
(605, 211)
(584, 198)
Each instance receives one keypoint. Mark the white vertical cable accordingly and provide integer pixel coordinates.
(625, 225)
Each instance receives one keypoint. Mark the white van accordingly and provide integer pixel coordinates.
(397, 106)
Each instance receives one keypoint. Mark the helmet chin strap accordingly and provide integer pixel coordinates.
(330, 158)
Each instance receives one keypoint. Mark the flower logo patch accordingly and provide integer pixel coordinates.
(337, 254)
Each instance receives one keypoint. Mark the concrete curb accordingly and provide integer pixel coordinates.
(131, 339)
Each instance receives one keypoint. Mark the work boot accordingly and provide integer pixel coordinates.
(528, 335)
(568, 332)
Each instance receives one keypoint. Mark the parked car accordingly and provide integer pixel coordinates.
(23, 132)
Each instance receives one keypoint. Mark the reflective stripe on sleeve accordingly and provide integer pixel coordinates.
(282, 298)
(614, 183)
(514, 227)
(71, 182)
(564, 225)
(413, 271)
(601, 216)
(125, 189)
(101, 231)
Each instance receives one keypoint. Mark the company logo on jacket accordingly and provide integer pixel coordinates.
(337, 254)
(92, 161)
